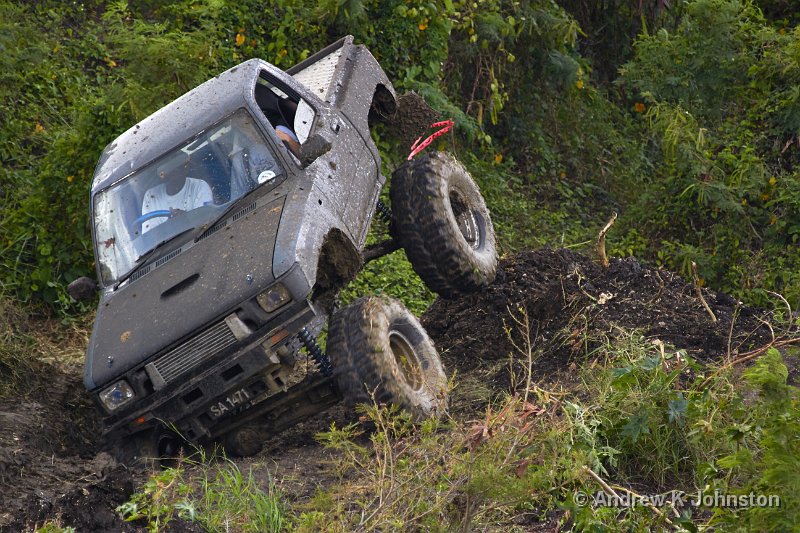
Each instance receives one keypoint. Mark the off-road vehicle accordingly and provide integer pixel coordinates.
(224, 225)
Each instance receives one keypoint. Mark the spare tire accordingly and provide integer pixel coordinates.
(441, 220)
(381, 353)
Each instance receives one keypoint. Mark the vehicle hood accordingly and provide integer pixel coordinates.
(200, 284)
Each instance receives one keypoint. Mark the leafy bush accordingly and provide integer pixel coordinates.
(94, 74)
(696, 146)
(770, 467)
(217, 496)
(722, 118)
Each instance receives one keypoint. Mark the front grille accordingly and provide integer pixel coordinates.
(194, 351)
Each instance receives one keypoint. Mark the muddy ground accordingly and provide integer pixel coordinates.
(52, 466)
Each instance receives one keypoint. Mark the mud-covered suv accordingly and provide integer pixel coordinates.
(225, 223)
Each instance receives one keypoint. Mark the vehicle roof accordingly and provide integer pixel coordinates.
(176, 122)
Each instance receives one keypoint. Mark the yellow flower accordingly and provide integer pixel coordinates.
(579, 84)
(498, 158)
(70, 178)
(422, 26)
(562, 174)
(639, 107)
(744, 201)
(239, 39)
(110, 62)
(773, 180)
(765, 197)
(38, 128)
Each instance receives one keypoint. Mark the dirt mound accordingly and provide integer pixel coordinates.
(571, 302)
(50, 467)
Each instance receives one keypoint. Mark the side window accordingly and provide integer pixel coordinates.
(290, 116)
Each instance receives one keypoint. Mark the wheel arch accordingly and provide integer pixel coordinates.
(338, 263)
(383, 105)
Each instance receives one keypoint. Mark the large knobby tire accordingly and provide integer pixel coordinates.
(381, 353)
(442, 222)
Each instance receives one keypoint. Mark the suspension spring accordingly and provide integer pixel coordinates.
(384, 213)
(320, 358)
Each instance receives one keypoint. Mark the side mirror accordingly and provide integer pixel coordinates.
(315, 146)
(82, 288)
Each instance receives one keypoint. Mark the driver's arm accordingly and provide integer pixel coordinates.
(288, 137)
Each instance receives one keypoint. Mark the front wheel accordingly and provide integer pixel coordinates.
(442, 222)
(380, 352)
(153, 446)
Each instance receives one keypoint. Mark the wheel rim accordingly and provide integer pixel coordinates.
(406, 359)
(465, 220)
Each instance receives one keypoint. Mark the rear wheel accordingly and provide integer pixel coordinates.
(442, 222)
(380, 352)
(243, 442)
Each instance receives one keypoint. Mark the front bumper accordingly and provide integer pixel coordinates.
(223, 364)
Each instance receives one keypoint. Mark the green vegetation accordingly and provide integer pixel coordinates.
(694, 142)
(15, 348)
(641, 415)
(645, 418)
(215, 495)
(682, 116)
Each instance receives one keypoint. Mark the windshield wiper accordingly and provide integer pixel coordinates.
(145, 257)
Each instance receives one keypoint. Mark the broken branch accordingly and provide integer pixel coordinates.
(747, 356)
(699, 292)
(606, 488)
(611, 492)
(601, 240)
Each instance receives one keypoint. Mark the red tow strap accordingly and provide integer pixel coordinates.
(417, 147)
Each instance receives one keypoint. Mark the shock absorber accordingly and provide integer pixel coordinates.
(320, 358)
(384, 213)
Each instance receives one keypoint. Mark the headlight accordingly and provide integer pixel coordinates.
(117, 395)
(274, 297)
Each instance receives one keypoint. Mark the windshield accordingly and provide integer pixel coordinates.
(182, 190)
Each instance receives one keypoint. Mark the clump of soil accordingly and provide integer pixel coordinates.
(412, 119)
(571, 300)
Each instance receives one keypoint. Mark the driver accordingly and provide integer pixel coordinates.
(174, 194)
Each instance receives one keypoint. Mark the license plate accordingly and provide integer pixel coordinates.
(228, 404)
